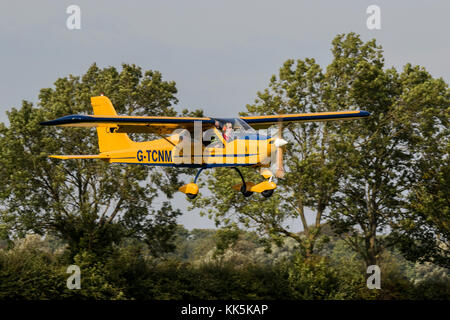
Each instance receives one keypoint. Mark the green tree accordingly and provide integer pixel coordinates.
(310, 177)
(424, 231)
(377, 155)
(371, 152)
(89, 204)
(367, 177)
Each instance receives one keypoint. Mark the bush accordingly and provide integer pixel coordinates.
(176, 280)
(32, 269)
(312, 278)
(30, 272)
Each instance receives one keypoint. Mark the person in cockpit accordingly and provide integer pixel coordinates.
(228, 131)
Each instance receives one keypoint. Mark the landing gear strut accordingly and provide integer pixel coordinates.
(244, 185)
(266, 188)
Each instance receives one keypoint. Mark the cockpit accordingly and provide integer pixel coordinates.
(229, 130)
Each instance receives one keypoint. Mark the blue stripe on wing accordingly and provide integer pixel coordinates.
(293, 118)
(80, 119)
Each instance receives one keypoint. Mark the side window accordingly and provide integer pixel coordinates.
(211, 140)
(216, 144)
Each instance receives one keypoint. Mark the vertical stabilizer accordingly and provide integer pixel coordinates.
(108, 140)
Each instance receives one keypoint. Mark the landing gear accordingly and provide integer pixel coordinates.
(191, 189)
(191, 195)
(266, 188)
(244, 185)
(245, 192)
(267, 193)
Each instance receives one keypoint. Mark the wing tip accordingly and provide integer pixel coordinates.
(66, 120)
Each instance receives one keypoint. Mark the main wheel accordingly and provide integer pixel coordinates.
(191, 195)
(245, 192)
(267, 193)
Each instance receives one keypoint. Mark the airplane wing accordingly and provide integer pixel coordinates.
(130, 124)
(263, 122)
(106, 116)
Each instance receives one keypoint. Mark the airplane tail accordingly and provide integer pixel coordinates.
(108, 140)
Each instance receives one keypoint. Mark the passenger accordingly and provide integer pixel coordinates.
(228, 131)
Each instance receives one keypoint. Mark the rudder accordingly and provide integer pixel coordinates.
(108, 140)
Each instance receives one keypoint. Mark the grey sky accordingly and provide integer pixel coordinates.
(220, 53)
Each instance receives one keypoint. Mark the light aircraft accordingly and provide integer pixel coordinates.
(194, 142)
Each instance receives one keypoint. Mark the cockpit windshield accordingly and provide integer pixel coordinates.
(233, 128)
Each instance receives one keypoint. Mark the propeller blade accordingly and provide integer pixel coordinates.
(279, 143)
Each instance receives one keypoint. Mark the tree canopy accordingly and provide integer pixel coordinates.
(90, 204)
(372, 178)
(363, 192)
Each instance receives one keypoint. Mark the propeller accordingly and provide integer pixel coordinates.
(277, 166)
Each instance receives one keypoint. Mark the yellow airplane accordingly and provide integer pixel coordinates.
(194, 142)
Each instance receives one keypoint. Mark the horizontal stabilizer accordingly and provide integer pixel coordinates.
(87, 156)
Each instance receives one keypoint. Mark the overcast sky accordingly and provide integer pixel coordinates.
(220, 53)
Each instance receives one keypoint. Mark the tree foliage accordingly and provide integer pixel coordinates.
(310, 178)
(387, 174)
(381, 155)
(424, 231)
(381, 184)
(89, 204)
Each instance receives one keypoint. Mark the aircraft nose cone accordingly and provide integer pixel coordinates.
(280, 142)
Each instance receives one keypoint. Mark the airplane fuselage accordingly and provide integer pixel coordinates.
(248, 150)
